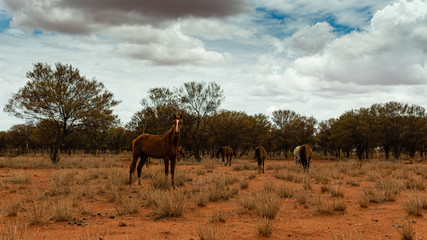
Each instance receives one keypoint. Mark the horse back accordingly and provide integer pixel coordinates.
(153, 146)
(260, 153)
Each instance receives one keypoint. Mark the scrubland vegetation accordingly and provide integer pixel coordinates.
(40, 196)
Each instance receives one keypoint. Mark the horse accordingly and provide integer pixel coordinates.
(228, 152)
(260, 155)
(303, 156)
(181, 151)
(157, 146)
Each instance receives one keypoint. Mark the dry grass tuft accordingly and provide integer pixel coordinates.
(407, 232)
(285, 191)
(265, 226)
(62, 210)
(267, 204)
(415, 183)
(247, 202)
(353, 235)
(13, 208)
(414, 205)
(329, 206)
(19, 177)
(15, 231)
(336, 190)
(127, 206)
(217, 216)
(168, 203)
(209, 231)
(38, 213)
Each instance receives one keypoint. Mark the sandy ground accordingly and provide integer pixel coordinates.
(294, 221)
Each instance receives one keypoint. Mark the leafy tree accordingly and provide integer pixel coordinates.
(200, 99)
(61, 95)
(402, 126)
(281, 124)
(324, 136)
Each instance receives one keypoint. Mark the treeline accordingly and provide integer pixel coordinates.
(69, 113)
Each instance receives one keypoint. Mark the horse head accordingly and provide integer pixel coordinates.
(177, 123)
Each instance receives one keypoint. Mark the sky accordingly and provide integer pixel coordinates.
(317, 58)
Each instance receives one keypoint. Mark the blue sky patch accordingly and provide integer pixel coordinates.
(274, 21)
(5, 20)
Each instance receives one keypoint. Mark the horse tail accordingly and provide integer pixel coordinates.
(135, 155)
(303, 156)
(258, 154)
(219, 151)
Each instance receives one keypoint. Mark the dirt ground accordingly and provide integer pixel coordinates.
(101, 219)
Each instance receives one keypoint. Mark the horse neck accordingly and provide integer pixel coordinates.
(172, 138)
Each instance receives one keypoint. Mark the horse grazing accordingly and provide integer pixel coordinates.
(157, 146)
(260, 155)
(303, 156)
(226, 152)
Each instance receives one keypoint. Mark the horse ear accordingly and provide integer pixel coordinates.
(180, 115)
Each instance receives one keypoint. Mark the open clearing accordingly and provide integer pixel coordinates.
(87, 197)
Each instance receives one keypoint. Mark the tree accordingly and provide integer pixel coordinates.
(200, 99)
(324, 136)
(69, 100)
(281, 123)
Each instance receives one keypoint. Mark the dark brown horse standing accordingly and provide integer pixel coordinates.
(157, 146)
(260, 155)
(303, 155)
(226, 152)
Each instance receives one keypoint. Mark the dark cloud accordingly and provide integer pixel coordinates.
(163, 9)
(86, 16)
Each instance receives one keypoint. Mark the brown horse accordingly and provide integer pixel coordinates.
(157, 146)
(226, 152)
(303, 156)
(181, 151)
(260, 155)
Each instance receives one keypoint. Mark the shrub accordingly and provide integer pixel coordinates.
(413, 205)
(265, 226)
(209, 231)
(247, 202)
(19, 177)
(407, 233)
(62, 210)
(38, 213)
(267, 204)
(168, 203)
(336, 190)
(127, 206)
(13, 208)
(285, 191)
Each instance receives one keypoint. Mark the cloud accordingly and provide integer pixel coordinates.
(392, 51)
(352, 13)
(88, 16)
(311, 39)
(146, 30)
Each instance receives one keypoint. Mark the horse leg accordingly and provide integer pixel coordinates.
(140, 165)
(259, 165)
(263, 165)
(166, 160)
(173, 163)
(135, 157)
